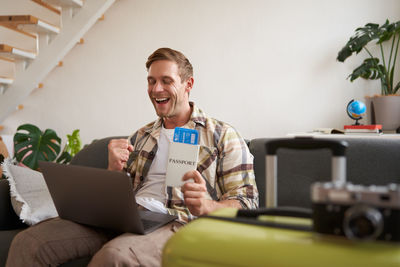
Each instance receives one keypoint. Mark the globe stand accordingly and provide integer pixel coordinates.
(357, 123)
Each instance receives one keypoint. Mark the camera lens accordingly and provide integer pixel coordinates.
(362, 222)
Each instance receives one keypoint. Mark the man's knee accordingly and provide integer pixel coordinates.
(54, 242)
(27, 249)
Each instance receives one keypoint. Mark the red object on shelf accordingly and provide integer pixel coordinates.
(364, 127)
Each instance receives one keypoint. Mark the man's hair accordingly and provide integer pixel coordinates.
(184, 66)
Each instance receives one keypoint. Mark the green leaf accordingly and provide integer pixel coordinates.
(369, 69)
(74, 143)
(391, 74)
(72, 147)
(64, 158)
(396, 88)
(31, 145)
(31, 129)
(358, 41)
(387, 31)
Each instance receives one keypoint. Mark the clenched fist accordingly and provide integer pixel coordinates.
(118, 154)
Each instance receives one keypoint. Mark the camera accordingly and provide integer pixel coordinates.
(357, 212)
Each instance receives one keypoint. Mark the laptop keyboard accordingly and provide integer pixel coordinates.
(148, 223)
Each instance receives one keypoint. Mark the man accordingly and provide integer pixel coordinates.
(224, 178)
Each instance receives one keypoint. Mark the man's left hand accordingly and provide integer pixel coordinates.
(194, 194)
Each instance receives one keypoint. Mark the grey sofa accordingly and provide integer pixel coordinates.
(372, 160)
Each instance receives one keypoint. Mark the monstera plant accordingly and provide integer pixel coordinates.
(385, 108)
(31, 145)
(372, 67)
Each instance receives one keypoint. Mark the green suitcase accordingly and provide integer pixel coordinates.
(273, 236)
(215, 242)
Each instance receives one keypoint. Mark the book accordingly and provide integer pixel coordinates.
(327, 131)
(362, 131)
(363, 127)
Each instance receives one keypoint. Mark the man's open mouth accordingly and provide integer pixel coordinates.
(162, 100)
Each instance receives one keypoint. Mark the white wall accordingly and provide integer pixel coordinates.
(267, 67)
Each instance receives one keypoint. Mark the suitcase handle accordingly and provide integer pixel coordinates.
(251, 221)
(281, 211)
(338, 148)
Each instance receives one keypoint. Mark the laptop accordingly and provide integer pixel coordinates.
(98, 197)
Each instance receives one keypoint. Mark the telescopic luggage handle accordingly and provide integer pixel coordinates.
(338, 148)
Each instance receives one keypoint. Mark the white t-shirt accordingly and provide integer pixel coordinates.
(152, 195)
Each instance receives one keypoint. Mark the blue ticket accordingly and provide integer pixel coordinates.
(187, 136)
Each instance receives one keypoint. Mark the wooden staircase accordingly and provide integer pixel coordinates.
(49, 43)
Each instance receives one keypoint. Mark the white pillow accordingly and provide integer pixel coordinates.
(30, 197)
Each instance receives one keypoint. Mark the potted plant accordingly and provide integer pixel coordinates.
(385, 108)
(32, 145)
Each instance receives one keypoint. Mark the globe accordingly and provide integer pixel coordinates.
(356, 109)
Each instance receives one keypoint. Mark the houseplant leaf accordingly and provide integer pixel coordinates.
(72, 147)
(74, 143)
(64, 158)
(357, 42)
(396, 88)
(32, 145)
(388, 30)
(367, 70)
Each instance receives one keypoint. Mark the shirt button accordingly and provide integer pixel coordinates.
(141, 178)
(151, 154)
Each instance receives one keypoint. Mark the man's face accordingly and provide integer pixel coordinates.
(166, 90)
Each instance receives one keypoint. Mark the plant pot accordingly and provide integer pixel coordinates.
(385, 110)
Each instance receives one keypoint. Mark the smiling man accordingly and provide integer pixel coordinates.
(224, 177)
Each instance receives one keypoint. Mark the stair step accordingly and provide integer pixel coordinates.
(6, 80)
(28, 23)
(4, 83)
(48, 6)
(16, 53)
(65, 3)
(7, 59)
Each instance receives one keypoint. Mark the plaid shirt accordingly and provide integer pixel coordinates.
(225, 163)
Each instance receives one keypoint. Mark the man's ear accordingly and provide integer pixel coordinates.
(189, 84)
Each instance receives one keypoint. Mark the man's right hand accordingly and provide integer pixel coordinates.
(118, 154)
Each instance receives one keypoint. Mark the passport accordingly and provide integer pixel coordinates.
(182, 155)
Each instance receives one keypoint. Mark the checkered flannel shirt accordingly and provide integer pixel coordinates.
(224, 162)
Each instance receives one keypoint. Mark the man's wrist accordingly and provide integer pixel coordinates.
(211, 206)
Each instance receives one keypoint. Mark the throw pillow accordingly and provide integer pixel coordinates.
(30, 197)
(3, 153)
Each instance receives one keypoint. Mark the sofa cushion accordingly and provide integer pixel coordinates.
(30, 197)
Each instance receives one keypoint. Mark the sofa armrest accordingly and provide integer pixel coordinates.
(8, 219)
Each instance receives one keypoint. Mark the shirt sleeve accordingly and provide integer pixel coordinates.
(235, 173)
